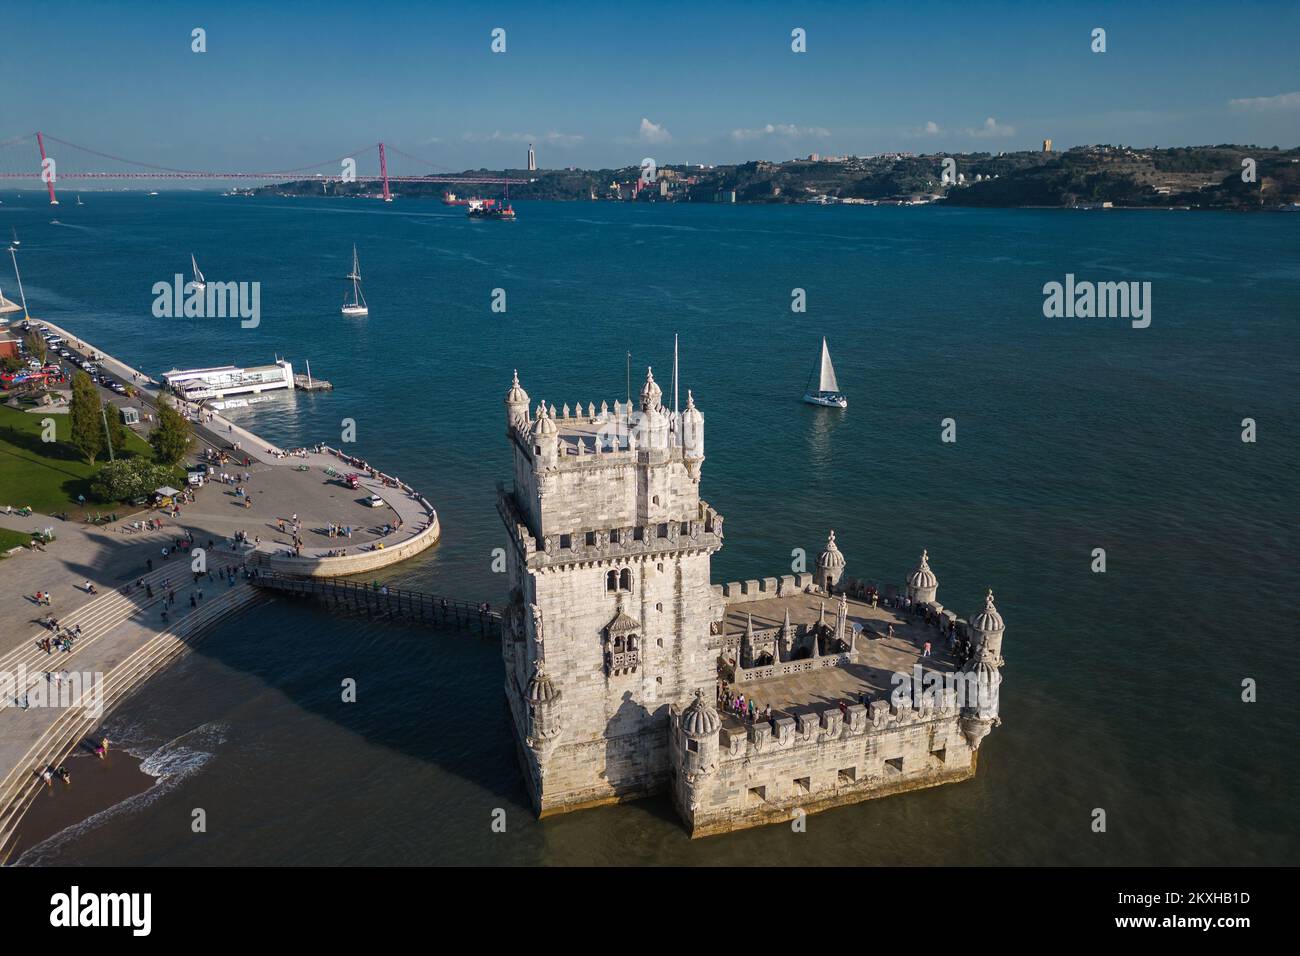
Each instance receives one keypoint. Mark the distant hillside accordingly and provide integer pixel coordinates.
(1203, 176)
(1196, 176)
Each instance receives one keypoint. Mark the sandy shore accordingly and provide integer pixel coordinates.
(96, 786)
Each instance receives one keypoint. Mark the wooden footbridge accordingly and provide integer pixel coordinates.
(382, 600)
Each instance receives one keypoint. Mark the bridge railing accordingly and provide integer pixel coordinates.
(383, 599)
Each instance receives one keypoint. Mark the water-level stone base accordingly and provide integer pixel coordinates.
(567, 783)
(766, 813)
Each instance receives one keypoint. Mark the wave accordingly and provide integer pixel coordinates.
(170, 765)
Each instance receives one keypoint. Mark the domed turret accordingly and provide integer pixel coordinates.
(692, 437)
(516, 405)
(651, 393)
(987, 629)
(984, 679)
(545, 443)
(700, 719)
(697, 748)
(830, 564)
(922, 585)
(542, 699)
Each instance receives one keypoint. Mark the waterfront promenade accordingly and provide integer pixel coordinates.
(124, 637)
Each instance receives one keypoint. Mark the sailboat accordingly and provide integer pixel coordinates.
(79, 202)
(827, 390)
(16, 242)
(199, 282)
(357, 307)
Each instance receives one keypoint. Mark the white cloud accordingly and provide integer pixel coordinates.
(931, 128)
(991, 128)
(653, 132)
(786, 130)
(1283, 101)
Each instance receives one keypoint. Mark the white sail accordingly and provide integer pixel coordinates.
(358, 305)
(198, 276)
(827, 374)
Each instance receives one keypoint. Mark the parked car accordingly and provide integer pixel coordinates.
(376, 501)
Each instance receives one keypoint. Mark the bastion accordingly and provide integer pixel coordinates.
(625, 666)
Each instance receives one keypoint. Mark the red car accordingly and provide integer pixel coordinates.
(353, 481)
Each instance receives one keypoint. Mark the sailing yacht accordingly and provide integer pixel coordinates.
(827, 390)
(79, 202)
(16, 242)
(357, 307)
(199, 282)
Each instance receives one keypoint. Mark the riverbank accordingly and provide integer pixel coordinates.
(96, 786)
(135, 622)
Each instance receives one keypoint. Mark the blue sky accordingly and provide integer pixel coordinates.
(285, 84)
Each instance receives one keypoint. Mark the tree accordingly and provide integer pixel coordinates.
(116, 430)
(35, 345)
(172, 436)
(87, 428)
(127, 479)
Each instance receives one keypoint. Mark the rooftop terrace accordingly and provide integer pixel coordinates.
(868, 669)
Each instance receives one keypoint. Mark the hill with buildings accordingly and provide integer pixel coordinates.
(1207, 177)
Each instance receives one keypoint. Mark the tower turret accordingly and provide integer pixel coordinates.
(692, 437)
(922, 585)
(699, 725)
(830, 564)
(516, 406)
(979, 713)
(545, 441)
(543, 700)
(651, 393)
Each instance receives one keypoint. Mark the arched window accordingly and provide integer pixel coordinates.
(611, 581)
(625, 580)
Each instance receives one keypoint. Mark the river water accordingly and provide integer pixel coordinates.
(1123, 689)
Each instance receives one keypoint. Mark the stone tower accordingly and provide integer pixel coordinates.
(609, 607)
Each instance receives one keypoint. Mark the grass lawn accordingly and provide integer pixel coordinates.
(12, 539)
(46, 476)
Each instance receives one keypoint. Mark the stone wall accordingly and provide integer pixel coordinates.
(353, 563)
(818, 761)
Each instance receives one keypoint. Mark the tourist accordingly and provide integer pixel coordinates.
(925, 651)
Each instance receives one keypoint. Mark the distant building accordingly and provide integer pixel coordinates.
(8, 345)
(1047, 146)
(532, 159)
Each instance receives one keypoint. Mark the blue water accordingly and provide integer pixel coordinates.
(1123, 689)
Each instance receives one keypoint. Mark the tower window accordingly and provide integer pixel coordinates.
(611, 581)
(625, 580)
(656, 499)
(591, 538)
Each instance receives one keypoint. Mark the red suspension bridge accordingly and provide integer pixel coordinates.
(52, 160)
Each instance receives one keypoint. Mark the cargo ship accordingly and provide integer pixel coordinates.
(491, 209)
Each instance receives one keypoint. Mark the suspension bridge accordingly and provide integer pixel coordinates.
(48, 159)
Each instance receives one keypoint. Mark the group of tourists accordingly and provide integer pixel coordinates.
(50, 772)
(738, 706)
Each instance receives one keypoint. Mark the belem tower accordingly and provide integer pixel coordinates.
(623, 659)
